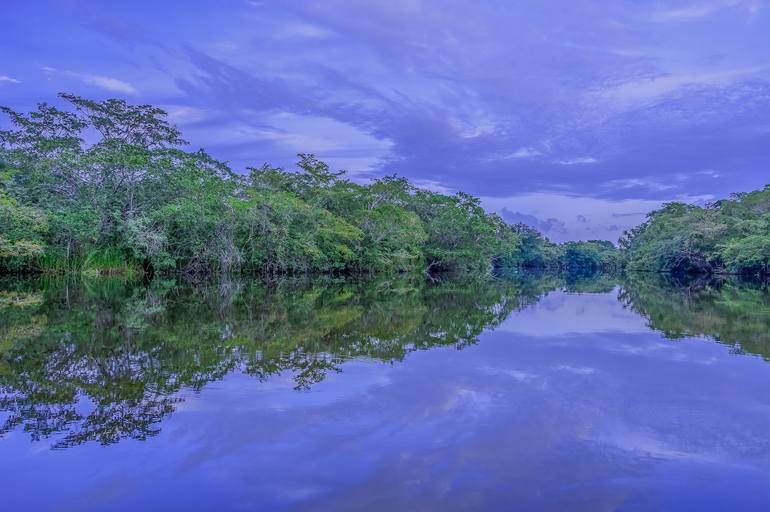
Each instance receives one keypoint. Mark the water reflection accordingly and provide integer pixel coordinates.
(102, 360)
(732, 311)
(105, 360)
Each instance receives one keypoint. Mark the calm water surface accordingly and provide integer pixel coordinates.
(536, 393)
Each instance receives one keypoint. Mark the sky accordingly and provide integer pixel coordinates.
(577, 117)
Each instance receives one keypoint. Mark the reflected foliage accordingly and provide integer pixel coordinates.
(106, 359)
(103, 360)
(732, 311)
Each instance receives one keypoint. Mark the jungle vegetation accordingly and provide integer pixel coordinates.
(727, 236)
(107, 187)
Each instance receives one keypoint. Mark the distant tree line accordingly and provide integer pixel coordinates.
(105, 187)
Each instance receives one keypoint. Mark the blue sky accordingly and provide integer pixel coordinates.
(574, 116)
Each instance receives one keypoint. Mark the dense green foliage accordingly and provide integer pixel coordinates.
(21, 228)
(731, 236)
(106, 186)
(534, 252)
(537, 252)
(591, 256)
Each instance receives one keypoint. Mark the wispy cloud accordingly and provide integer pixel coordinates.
(578, 160)
(184, 115)
(107, 83)
(523, 153)
(640, 90)
(600, 218)
(550, 227)
(6, 78)
(306, 30)
(629, 183)
(526, 153)
(699, 10)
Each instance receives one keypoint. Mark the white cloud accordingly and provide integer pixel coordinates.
(6, 78)
(580, 370)
(108, 83)
(181, 115)
(526, 153)
(473, 124)
(641, 90)
(688, 13)
(701, 10)
(638, 183)
(523, 153)
(320, 135)
(341, 145)
(607, 218)
(306, 30)
(578, 160)
(103, 82)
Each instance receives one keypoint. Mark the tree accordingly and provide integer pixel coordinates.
(730, 235)
(22, 228)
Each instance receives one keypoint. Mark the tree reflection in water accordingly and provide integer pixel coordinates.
(104, 360)
(732, 311)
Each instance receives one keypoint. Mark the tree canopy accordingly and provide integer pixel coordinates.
(106, 186)
(727, 236)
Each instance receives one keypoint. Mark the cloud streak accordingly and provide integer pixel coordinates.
(106, 83)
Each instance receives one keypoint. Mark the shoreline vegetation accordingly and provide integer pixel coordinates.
(105, 188)
(726, 237)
